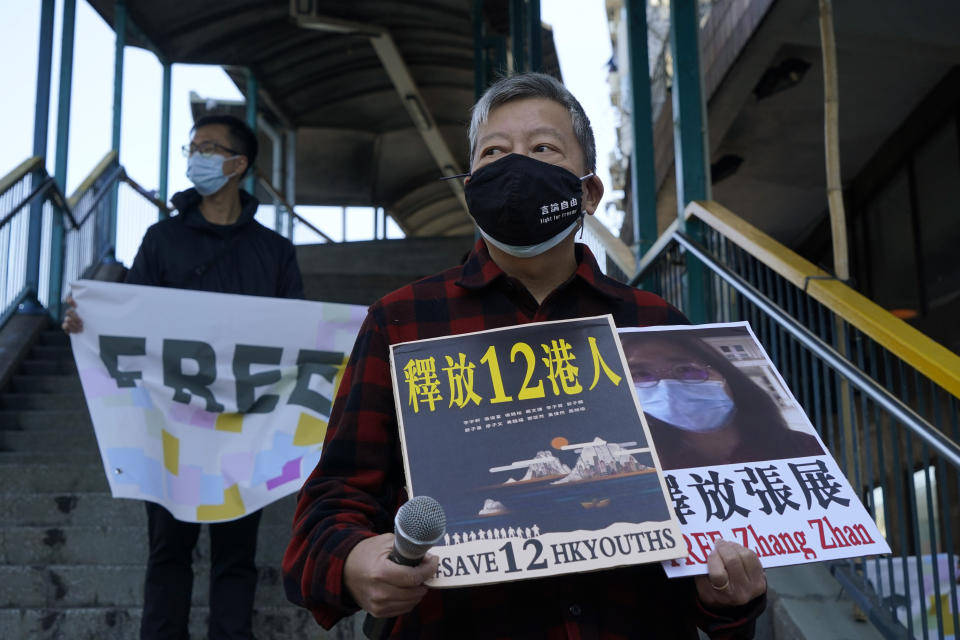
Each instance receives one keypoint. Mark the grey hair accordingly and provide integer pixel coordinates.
(534, 85)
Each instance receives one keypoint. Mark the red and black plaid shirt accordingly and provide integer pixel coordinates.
(358, 484)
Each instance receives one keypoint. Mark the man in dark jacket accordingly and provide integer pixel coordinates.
(213, 244)
(533, 158)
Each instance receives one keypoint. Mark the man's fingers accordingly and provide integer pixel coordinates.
(398, 589)
(427, 568)
(735, 576)
(716, 568)
(731, 562)
(72, 322)
(380, 586)
(410, 577)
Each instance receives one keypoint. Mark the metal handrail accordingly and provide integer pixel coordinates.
(148, 195)
(111, 177)
(48, 185)
(615, 248)
(279, 197)
(82, 242)
(925, 355)
(658, 247)
(930, 434)
(108, 159)
(907, 343)
(19, 172)
(38, 191)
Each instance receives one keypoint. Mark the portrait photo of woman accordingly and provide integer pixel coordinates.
(704, 410)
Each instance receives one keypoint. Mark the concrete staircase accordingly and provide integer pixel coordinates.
(363, 272)
(72, 558)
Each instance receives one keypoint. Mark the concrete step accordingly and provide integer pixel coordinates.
(66, 509)
(19, 400)
(48, 510)
(123, 623)
(122, 544)
(47, 457)
(29, 473)
(62, 440)
(49, 367)
(362, 272)
(54, 338)
(46, 419)
(805, 602)
(50, 352)
(47, 383)
(69, 586)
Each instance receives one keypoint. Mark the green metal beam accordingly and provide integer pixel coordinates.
(41, 116)
(120, 28)
(164, 136)
(689, 115)
(690, 140)
(479, 51)
(63, 140)
(643, 187)
(535, 36)
(65, 92)
(41, 112)
(518, 36)
(134, 29)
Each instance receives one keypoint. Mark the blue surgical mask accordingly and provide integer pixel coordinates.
(700, 407)
(206, 172)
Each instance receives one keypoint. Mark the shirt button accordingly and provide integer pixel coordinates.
(575, 610)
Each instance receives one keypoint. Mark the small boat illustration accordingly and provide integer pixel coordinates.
(599, 503)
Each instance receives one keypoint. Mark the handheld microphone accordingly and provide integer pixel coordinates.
(420, 523)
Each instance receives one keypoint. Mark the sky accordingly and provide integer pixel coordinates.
(580, 34)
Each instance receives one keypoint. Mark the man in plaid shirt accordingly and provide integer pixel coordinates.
(531, 148)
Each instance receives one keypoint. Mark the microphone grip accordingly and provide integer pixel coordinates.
(418, 525)
(397, 558)
(377, 628)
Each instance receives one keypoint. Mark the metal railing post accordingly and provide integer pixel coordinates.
(31, 305)
(479, 51)
(690, 139)
(63, 141)
(164, 136)
(290, 166)
(535, 35)
(120, 28)
(250, 182)
(643, 188)
(517, 36)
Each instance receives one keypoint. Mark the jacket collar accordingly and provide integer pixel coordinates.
(481, 271)
(187, 204)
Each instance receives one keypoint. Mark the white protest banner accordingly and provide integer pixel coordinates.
(741, 460)
(213, 405)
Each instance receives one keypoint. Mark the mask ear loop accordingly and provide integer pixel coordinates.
(459, 175)
(583, 212)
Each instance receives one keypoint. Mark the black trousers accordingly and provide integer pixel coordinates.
(169, 581)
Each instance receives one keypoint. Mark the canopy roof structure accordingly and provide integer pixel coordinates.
(378, 92)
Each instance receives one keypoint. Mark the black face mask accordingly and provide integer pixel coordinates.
(524, 206)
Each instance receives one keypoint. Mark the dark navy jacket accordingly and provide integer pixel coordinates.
(187, 252)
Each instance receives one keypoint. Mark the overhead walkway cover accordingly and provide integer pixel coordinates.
(378, 92)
